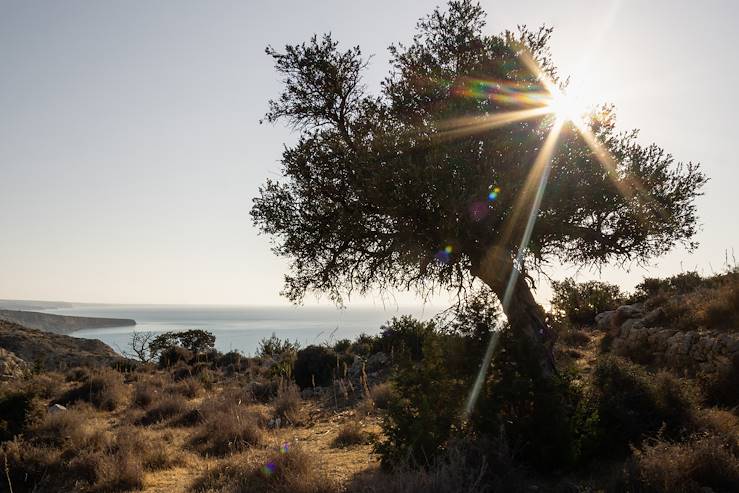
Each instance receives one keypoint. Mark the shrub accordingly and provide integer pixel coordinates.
(62, 427)
(721, 387)
(421, 420)
(382, 395)
(349, 434)
(549, 421)
(342, 345)
(172, 355)
(682, 283)
(230, 358)
(78, 374)
(188, 387)
(404, 337)
(31, 468)
(363, 345)
(287, 403)
(276, 348)
(463, 468)
(264, 390)
(704, 463)
(143, 394)
(104, 389)
(228, 430)
(315, 366)
(17, 410)
(579, 303)
(633, 404)
(291, 471)
(166, 407)
(45, 385)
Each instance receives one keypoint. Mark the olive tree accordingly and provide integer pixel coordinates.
(426, 184)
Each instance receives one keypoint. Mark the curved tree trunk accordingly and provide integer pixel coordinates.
(526, 317)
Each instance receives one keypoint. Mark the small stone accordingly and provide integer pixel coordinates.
(56, 408)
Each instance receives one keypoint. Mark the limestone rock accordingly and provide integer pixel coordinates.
(11, 366)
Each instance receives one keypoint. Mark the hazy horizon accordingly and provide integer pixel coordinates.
(130, 143)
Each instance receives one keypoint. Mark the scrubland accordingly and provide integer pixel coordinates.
(385, 413)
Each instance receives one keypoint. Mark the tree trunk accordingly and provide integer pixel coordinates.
(526, 317)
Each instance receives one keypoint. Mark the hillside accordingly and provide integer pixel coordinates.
(61, 324)
(53, 351)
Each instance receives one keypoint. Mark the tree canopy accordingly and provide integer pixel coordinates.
(428, 183)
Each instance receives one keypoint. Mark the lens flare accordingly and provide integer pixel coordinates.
(445, 254)
(269, 469)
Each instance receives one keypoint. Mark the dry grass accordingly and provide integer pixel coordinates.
(228, 425)
(713, 305)
(188, 387)
(350, 433)
(228, 431)
(452, 475)
(382, 395)
(104, 389)
(287, 403)
(166, 407)
(144, 393)
(703, 462)
(74, 451)
(293, 470)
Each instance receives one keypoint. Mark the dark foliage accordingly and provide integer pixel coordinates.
(404, 337)
(17, 410)
(633, 404)
(315, 366)
(579, 303)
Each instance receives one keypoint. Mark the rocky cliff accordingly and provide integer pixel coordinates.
(61, 324)
(49, 351)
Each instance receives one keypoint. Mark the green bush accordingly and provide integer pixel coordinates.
(342, 345)
(276, 348)
(424, 414)
(403, 337)
(548, 420)
(579, 303)
(364, 345)
(17, 410)
(633, 404)
(315, 365)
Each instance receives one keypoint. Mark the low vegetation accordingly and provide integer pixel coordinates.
(232, 423)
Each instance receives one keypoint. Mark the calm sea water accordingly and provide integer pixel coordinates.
(239, 328)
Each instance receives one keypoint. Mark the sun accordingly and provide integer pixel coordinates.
(570, 106)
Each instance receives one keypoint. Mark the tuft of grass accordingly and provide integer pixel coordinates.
(704, 463)
(350, 433)
(187, 387)
(104, 389)
(225, 431)
(144, 393)
(287, 403)
(293, 470)
(382, 395)
(166, 407)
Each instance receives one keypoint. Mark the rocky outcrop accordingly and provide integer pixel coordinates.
(642, 335)
(11, 366)
(53, 351)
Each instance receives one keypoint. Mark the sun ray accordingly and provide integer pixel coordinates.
(539, 172)
(469, 125)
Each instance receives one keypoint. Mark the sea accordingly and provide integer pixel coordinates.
(241, 328)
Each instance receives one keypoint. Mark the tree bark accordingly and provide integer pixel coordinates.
(526, 317)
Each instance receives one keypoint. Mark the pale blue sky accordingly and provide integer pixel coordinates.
(130, 144)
